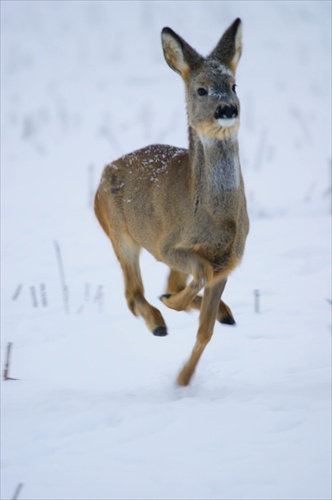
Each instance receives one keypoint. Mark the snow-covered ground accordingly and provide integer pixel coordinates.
(95, 413)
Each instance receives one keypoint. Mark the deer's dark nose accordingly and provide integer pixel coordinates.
(226, 112)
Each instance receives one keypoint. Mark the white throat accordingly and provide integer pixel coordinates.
(223, 163)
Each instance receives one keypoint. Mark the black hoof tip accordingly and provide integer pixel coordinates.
(228, 320)
(166, 296)
(160, 331)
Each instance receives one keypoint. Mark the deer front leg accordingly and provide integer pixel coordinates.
(209, 309)
(177, 281)
(127, 251)
(186, 262)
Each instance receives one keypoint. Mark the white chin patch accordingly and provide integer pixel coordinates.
(227, 122)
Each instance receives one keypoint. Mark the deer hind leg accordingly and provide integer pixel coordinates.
(224, 313)
(208, 314)
(128, 251)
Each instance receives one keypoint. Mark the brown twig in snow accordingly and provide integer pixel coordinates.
(33, 296)
(257, 303)
(17, 292)
(64, 287)
(43, 294)
(17, 491)
(6, 370)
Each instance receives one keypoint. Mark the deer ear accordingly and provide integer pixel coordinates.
(229, 49)
(178, 54)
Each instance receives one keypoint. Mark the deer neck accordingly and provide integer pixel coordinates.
(215, 167)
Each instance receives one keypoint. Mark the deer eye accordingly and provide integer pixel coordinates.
(201, 91)
(234, 88)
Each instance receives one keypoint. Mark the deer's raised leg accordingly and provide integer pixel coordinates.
(127, 252)
(208, 314)
(177, 281)
(186, 262)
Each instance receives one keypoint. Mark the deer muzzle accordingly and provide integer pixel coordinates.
(226, 112)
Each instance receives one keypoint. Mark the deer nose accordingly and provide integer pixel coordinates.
(226, 112)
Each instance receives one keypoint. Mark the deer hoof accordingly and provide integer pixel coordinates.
(165, 296)
(228, 320)
(160, 331)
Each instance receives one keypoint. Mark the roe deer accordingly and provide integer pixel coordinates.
(186, 207)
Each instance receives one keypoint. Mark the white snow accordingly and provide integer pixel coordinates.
(221, 68)
(95, 413)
